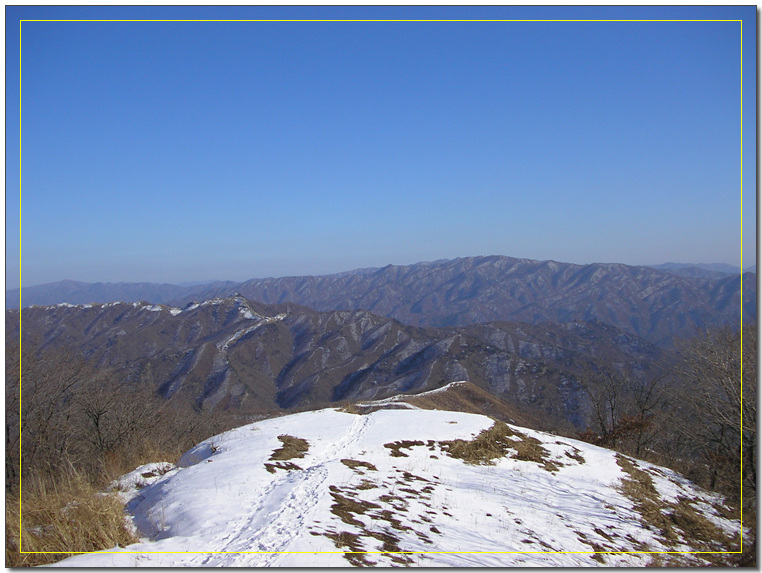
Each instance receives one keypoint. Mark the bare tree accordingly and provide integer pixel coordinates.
(47, 386)
(624, 406)
(719, 374)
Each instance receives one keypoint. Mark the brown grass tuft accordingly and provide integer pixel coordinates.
(675, 522)
(496, 442)
(343, 507)
(354, 464)
(396, 447)
(351, 408)
(61, 518)
(287, 466)
(292, 448)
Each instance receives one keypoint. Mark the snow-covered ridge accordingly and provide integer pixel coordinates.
(399, 400)
(225, 344)
(384, 483)
(403, 397)
(243, 307)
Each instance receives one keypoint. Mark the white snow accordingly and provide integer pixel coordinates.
(247, 313)
(402, 397)
(225, 344)
(221, 506)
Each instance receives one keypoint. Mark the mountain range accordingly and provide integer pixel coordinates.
(256, 358)
(655, 304)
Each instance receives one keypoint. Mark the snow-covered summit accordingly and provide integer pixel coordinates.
(406, 487)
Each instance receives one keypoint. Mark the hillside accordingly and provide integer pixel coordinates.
(654, 304)
(410, 487)
(237, 354)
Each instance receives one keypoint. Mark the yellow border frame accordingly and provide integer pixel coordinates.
(396, 552)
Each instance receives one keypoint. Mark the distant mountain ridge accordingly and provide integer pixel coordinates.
(702, 270)
(77, 292)
(711, 267)
(654, 304)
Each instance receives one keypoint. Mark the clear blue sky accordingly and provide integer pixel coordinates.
(181, 151)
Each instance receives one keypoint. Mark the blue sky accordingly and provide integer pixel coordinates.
(181, 151)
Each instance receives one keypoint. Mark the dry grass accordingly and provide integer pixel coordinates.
(675, 522)
(396, 447)
(61, 518)
(575, 454)
(496, 442)
(351, 408)
(354, 464)
(287, 466)
(292, 448)
(356, 556)
(487, 446)
(639, 487)
(343, 507)
(346, 507)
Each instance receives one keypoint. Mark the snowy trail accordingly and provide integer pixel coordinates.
(286, 505)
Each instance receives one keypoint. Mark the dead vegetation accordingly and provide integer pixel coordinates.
(71, 428)
(348, 507)
(356, 556)
(351, 408)
(575, 453)
(496, 442)
(397, 447)
(292, 448)
(676, 522)
(54, 520)
(286, 466)
(354, 464)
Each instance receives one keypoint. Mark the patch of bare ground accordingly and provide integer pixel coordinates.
(412, 477)
(344, 507)
(366, 484)
(396, 447)
(596, 547)
(351, 408)
(348, 507)
(496, 442)
(292, 448)
(398, 503)
(281, 466)
(676, 522)
(356, 556)
(354, 464)
(575, 453)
